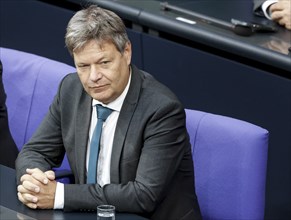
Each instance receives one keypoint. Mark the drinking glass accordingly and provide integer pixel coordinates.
(105, 212)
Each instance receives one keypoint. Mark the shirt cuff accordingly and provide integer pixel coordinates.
(59, 196)
(265, 7)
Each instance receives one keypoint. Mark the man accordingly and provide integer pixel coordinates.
(144, 165)
(8, 148)
(276, 10)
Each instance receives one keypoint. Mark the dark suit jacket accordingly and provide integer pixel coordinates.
(151, 165)
(8, 148)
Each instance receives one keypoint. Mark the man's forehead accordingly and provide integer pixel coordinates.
(99, 44)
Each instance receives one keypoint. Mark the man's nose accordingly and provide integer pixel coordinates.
(95, 74)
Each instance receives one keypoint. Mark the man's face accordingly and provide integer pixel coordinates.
(103, 70)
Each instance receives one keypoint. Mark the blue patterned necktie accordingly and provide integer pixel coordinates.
(102, 114)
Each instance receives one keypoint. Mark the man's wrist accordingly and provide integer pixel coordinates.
(266, 6)
(59, 196)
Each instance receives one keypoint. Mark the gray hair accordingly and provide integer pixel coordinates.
(95, 23)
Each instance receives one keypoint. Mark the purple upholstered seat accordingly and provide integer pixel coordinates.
(30, 83)
(230, 159)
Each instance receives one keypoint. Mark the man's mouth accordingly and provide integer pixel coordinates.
(98, 88)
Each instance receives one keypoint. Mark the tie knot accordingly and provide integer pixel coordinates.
(103, 112)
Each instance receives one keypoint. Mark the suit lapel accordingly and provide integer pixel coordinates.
(83, 119)
(123, 122)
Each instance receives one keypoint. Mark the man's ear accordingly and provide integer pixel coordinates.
(127, 52)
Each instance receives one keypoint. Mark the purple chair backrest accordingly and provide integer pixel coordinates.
(30, 82)
(230, 158)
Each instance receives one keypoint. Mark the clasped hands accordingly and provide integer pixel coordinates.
(37, 189)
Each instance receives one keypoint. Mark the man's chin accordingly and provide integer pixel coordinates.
(101, 98)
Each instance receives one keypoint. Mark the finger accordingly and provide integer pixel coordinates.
(21, 189)
(29, 198)
(29, 204)
(276, 15)
(31, 184)
(38, 175)
(50, 174)
(25, 177)
(32, 170)
(20, 198)
(276, 7)
(28, 185)
(281, 22)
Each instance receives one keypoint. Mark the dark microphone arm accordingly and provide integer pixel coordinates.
(243, 29)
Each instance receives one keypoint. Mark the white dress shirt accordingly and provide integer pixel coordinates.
(106, 142)
(265, 7)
